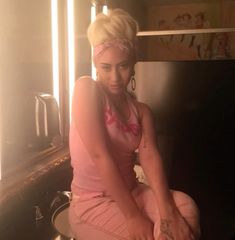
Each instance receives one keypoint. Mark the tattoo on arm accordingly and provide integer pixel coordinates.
(165, 229)
(144, 145)
(144, 139)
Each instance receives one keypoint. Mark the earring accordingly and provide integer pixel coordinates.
(133, 83)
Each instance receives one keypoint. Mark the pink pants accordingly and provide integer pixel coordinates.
(100, 218)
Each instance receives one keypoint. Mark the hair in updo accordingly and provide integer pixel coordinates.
(118, 24)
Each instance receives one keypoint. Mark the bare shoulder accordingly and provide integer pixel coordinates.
(85, 81)
(86, 85)
(144, 110)
(87, 91)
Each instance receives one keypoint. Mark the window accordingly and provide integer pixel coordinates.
(188, 30)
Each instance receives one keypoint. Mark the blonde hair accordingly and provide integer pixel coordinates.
(118, 24)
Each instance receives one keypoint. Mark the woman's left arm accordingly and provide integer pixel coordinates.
(152, 164)
(172, 223)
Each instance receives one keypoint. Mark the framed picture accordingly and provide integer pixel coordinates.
(189, 30)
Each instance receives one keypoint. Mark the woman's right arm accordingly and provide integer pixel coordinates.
(87, 113)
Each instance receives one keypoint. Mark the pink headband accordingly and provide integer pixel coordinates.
(122, 44)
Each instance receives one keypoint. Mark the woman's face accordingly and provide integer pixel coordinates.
(115, 68)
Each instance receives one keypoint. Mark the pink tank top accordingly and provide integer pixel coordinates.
(125, 137)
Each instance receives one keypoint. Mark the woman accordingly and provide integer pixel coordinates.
(108, 125)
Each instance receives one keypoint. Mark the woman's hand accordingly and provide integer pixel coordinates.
(140, 227)
(175, 229)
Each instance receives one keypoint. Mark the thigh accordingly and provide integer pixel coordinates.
(146, 201)
(185, 204)
(97, 218)
(101, 217)
(189, 210)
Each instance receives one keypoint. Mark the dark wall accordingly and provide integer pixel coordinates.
(194, 108)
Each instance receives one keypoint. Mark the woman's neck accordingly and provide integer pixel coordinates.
(117, 99)
(121, 106)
